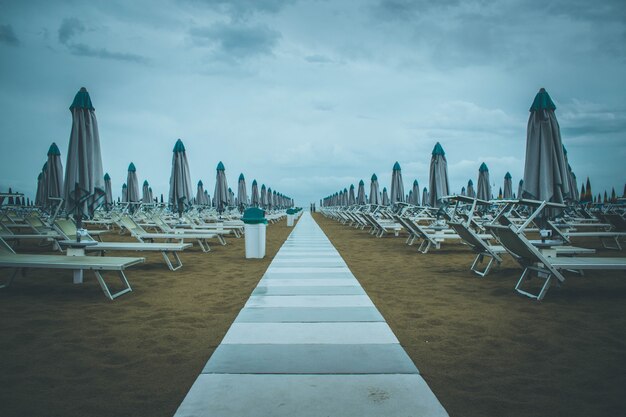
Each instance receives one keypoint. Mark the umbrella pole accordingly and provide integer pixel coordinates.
(78, 218)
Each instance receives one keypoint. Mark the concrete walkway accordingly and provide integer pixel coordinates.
(309, 342)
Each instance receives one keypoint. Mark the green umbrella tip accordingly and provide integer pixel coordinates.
(438, 150)
(396, 166)
(150, 189)
(54, 150)
(425, 189)
(374, 177)
(179, 147)
(145, 182)
(82, 100)
(124, 185)
(241, 177)
(361, 183)
(40, 176)
(483, 168)
(470, 182)
(508, 176)
(415, 184)
(200, 183)
(229, 189)
(107, 177)
(521, 182)
(45, 166)
(384, 189)
(254, 182)
(352, 186)
(542, 101)
(131, 168)
(220, 166)
(262, 186)
(345, 190)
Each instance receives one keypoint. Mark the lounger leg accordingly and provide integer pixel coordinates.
(617, 246)
(179, 263)
(204, 245)
(105, 287)
(479, 260)
(424, 246)
(222, 239)
(544, 288)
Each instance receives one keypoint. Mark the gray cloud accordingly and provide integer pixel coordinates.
(70, 27)
(408, 9)
(81, 49)
(318, 59)
(241, 9)
(7, 35)
(236, 42)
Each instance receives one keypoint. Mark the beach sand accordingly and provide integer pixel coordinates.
(485, 350)
(66, 350)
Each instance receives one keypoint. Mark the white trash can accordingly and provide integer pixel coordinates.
(255, 225)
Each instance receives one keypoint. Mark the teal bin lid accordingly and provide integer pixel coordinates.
(291, 211)
(254, 215)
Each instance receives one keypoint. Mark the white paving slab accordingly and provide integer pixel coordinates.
(307, 282)
(309, 301)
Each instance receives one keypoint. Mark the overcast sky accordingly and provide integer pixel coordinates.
(311, 96)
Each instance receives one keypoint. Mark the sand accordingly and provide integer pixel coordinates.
(485, 350)
(66, 350)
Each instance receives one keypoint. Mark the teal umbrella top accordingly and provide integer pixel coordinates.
(542, 101)
(396, 166)
(470, 182)
(124, 185)
(361, 182)
(241, 177)
(40, 175)
(507, 176)
(262, 186)
(229, 189)
(521, 182)
(254, 182)
(220, 167)
(415, 183)
(374, 177)
(107, 177)
(352, 186)
(483, 168)
(384, 189)
(82, 100)
(54, 150)
(45, 166)
(145, 182)
(438, 150)
(131, 168)
(425, 189)
(200, 183)
(179, 147)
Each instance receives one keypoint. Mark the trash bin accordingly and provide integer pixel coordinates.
(291, 214)
(254, 224)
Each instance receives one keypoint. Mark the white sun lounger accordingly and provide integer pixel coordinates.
(166, 228)
(546, 268)
(22, 262)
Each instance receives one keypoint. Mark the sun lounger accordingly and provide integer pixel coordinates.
(140, 234)
(21, 262)
(166, 228)
(68, 229)
(546, 268)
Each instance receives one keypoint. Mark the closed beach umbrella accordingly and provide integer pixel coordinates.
(351, 197)
(360, 195)
(40, 190)
(254, 200)
(200, 194)
(438, 179)
(508, 187)
(221, 194)
(425, 197)
(207, 199)
(520, 189)
(150, 193)
(483, 190)
(545, 169)
(397, 186)
(231, 197)
(242, 193)
(344, 197)
(374, 191)
(84, 179)
(574, 185)
(263, 197)
(415, 192)
(270, 201)
(463, 191)
(124, 193)
(54, 175)
(108, 192)
(145, 193)
(385, 197)
(470, 189)
(180, 194)
(133, 184)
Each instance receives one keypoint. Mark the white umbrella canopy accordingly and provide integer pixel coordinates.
(470, 189)
(124, 193)
(507, 194)
(415, 193)
(254, 200)
(270, 200)
(150, 193)
(545, 168)
(385, 197)
(221, 194)
(145, 193)
(180, 194)
(54, 176)
(397, 186)
(84, 179)
(231, 197)
(520, 188)
(242, 193)
(108, 192)
(263, 197)
(360, 195)
(438, 179)
(133, 184)
(200, 194)
(483, 191)
(351, 197)
(207, 199)
(374, 191)
(425, 197)
(463, 191)
(344, 197)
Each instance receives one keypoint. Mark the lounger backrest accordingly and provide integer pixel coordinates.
(68, 229)
(5, 229)
(5, 249)
(35, 222)
(160, 223)
(516, 244)
(469, 237)
(131, 225)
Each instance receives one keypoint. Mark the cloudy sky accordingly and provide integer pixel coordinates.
(311, 96)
